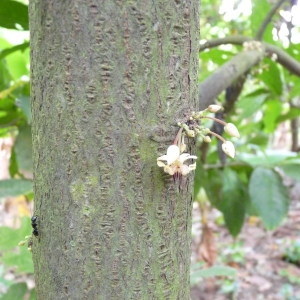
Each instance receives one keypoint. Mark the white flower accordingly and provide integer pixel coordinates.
(228, 148)
(175, 161)
(231, 130)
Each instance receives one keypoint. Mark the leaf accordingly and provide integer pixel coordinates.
(15, 291)
(8, 51)
(270, 158)
(269, 196)
(15, 187)
(233, 203)
(13, 165)
(12, 14)
(214, 271)
(24, 103)
(210, 180)
(10, 237)
(271, 77)
(273, 111)
(252, 102)
(23, 148)
(293, 112)
(259, 11)
(291, 170)
(21, 260)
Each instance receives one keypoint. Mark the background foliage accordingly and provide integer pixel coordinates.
(250, 185)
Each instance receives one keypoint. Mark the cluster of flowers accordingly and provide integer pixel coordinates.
(175, 161)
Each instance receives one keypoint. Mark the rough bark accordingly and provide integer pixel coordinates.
(110, 79)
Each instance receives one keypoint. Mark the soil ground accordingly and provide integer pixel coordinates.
(262, 273)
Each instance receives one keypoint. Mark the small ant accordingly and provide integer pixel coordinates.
(34, 220)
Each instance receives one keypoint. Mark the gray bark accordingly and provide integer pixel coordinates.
(110, 80)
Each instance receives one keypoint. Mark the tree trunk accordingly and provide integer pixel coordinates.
(110, 80)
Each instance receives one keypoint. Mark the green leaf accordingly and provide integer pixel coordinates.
(249, 104)
(8, 51)
(10, 237)
(24, 103)
(210, 180)
(21, 260)
(15, 291)
(17, 63)
(294, 112)
(269, 158)
(214, 271)
(32, 295)
(271, 77)
(273, 110)
(15, 187)
(259, 10)
(13, 165)
(23, 148)
(291, 170)
(233, 203)
(12, 14)
(269, 196)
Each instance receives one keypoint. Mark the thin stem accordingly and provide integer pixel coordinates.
(267, 20)
(218, 136)
(215, 119)
(178, 137)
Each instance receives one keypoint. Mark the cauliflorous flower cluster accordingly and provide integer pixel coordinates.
(175, 162)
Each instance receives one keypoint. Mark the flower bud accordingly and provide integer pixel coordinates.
(228, 149)
(191, 133)
(231, 130)
(206, 139)
(214, 108)
(21, 243)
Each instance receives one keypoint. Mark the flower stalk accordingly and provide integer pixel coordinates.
(177, 161)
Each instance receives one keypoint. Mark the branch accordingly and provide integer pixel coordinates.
(267, 20)
(235, 40)
(224, 76)
(282, 57)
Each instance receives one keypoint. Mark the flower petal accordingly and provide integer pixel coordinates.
(169, 170)
(185, 156)
(173, 153)
(184, 170)
(163, 157)
(160, 163)
(192, 166)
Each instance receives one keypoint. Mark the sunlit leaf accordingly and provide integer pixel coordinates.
(273, 110)
(271, 77)
(8, 51)
(13, 14)
(259, 10)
